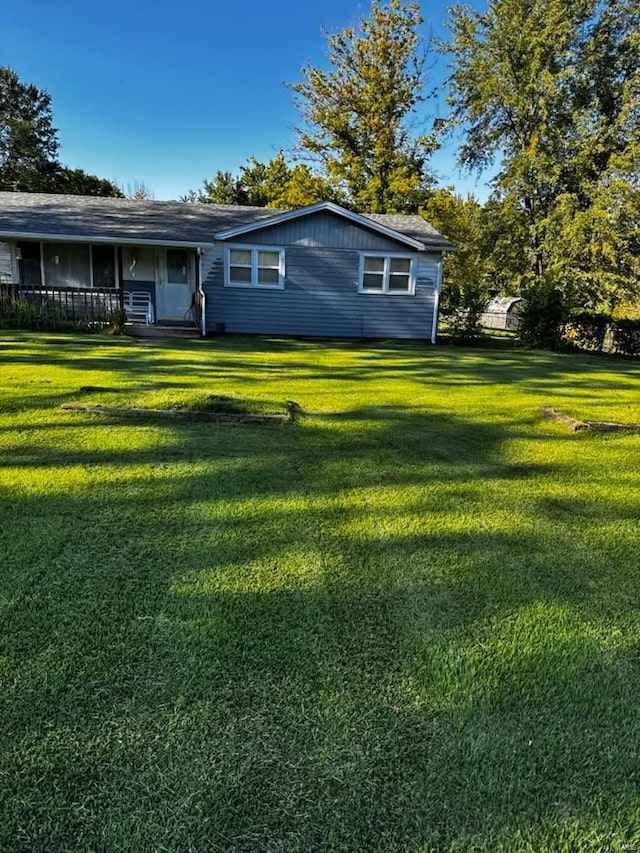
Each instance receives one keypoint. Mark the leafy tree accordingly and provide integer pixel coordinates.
(594, 248)
(28, 139)
(225, 188)
(509, 87)
(465, 273)
(543, 316)
(271, 184)
(29, 145)
(60, 179)
(552, 90)
(356, 115)
(504, 244)
(303, 187)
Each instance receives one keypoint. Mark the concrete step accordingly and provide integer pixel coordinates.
(164, 332)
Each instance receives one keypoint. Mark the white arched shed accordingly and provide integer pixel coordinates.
(503, 312)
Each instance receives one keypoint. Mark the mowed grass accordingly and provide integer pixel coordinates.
(410, 622)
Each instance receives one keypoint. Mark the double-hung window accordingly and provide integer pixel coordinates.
(391, 274)
(254, 266)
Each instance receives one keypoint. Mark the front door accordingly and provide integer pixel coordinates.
(176, 286)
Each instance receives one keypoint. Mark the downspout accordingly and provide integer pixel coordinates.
(436, 299)
(203, 322)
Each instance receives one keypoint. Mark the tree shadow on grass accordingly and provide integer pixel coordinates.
(366, 633)
(246, 360)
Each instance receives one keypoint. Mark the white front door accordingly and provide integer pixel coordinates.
(175, 287)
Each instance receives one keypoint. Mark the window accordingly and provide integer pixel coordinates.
(391, 274)
(29, 260)
(68, 264)
(247, 266)
(103, 266)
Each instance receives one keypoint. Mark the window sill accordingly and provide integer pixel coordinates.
(386, 292)
(242, 286)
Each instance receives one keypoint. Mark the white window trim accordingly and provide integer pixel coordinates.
(388, 256)
(254, 249)
(92, 285)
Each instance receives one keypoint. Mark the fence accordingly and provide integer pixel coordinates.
(47, 307)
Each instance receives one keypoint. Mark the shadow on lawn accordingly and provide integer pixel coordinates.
(310, 639)
(247, 360)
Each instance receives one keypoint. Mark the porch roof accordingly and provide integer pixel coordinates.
(88, 218)
(168, 223)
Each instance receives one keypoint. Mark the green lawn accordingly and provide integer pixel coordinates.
(410, 622)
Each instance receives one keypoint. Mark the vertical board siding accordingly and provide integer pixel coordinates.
(6, 262)
(320, 298)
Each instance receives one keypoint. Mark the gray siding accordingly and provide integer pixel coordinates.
(320, 298)
(7, 272)
(324, 230)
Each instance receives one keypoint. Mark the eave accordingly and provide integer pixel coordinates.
(84, 238)
(327, 206)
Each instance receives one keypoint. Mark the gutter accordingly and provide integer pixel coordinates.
(111, 240)
(436, 299)
(203, 297)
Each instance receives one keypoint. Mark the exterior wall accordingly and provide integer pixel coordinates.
(7, 266)
(323, 230)
(320, 297)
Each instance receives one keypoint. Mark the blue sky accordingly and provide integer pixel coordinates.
(167, 93)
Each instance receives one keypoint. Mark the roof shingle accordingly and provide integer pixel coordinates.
(155, 221)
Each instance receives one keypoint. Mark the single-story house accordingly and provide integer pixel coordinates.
(319, 270)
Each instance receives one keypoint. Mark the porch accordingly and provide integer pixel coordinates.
(86, 281)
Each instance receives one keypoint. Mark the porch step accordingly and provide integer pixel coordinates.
(160, 332)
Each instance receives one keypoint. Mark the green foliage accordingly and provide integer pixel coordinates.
(225, 188)
(543, 316)
(595, 247)
(461, 312)
(38, 314)
(272, 184)
(551, 89)
(626, 337)
(588, 329)
(29, 145)
(116, 319)
(465, 272)
(77, 182)
(28, 139)
(356, 115)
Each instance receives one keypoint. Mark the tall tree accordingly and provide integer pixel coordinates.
(275, 183)
(551, 89)
(512, 70)
(466, 275)
(225, 188)
(28, 139)
(61, 179)
(29, 145)
(357, 115)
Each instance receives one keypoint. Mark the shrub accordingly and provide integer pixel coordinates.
(36, 314)
(542, 317)
(461, 311)
(116, 319)
(626, 337)
(589, 329)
